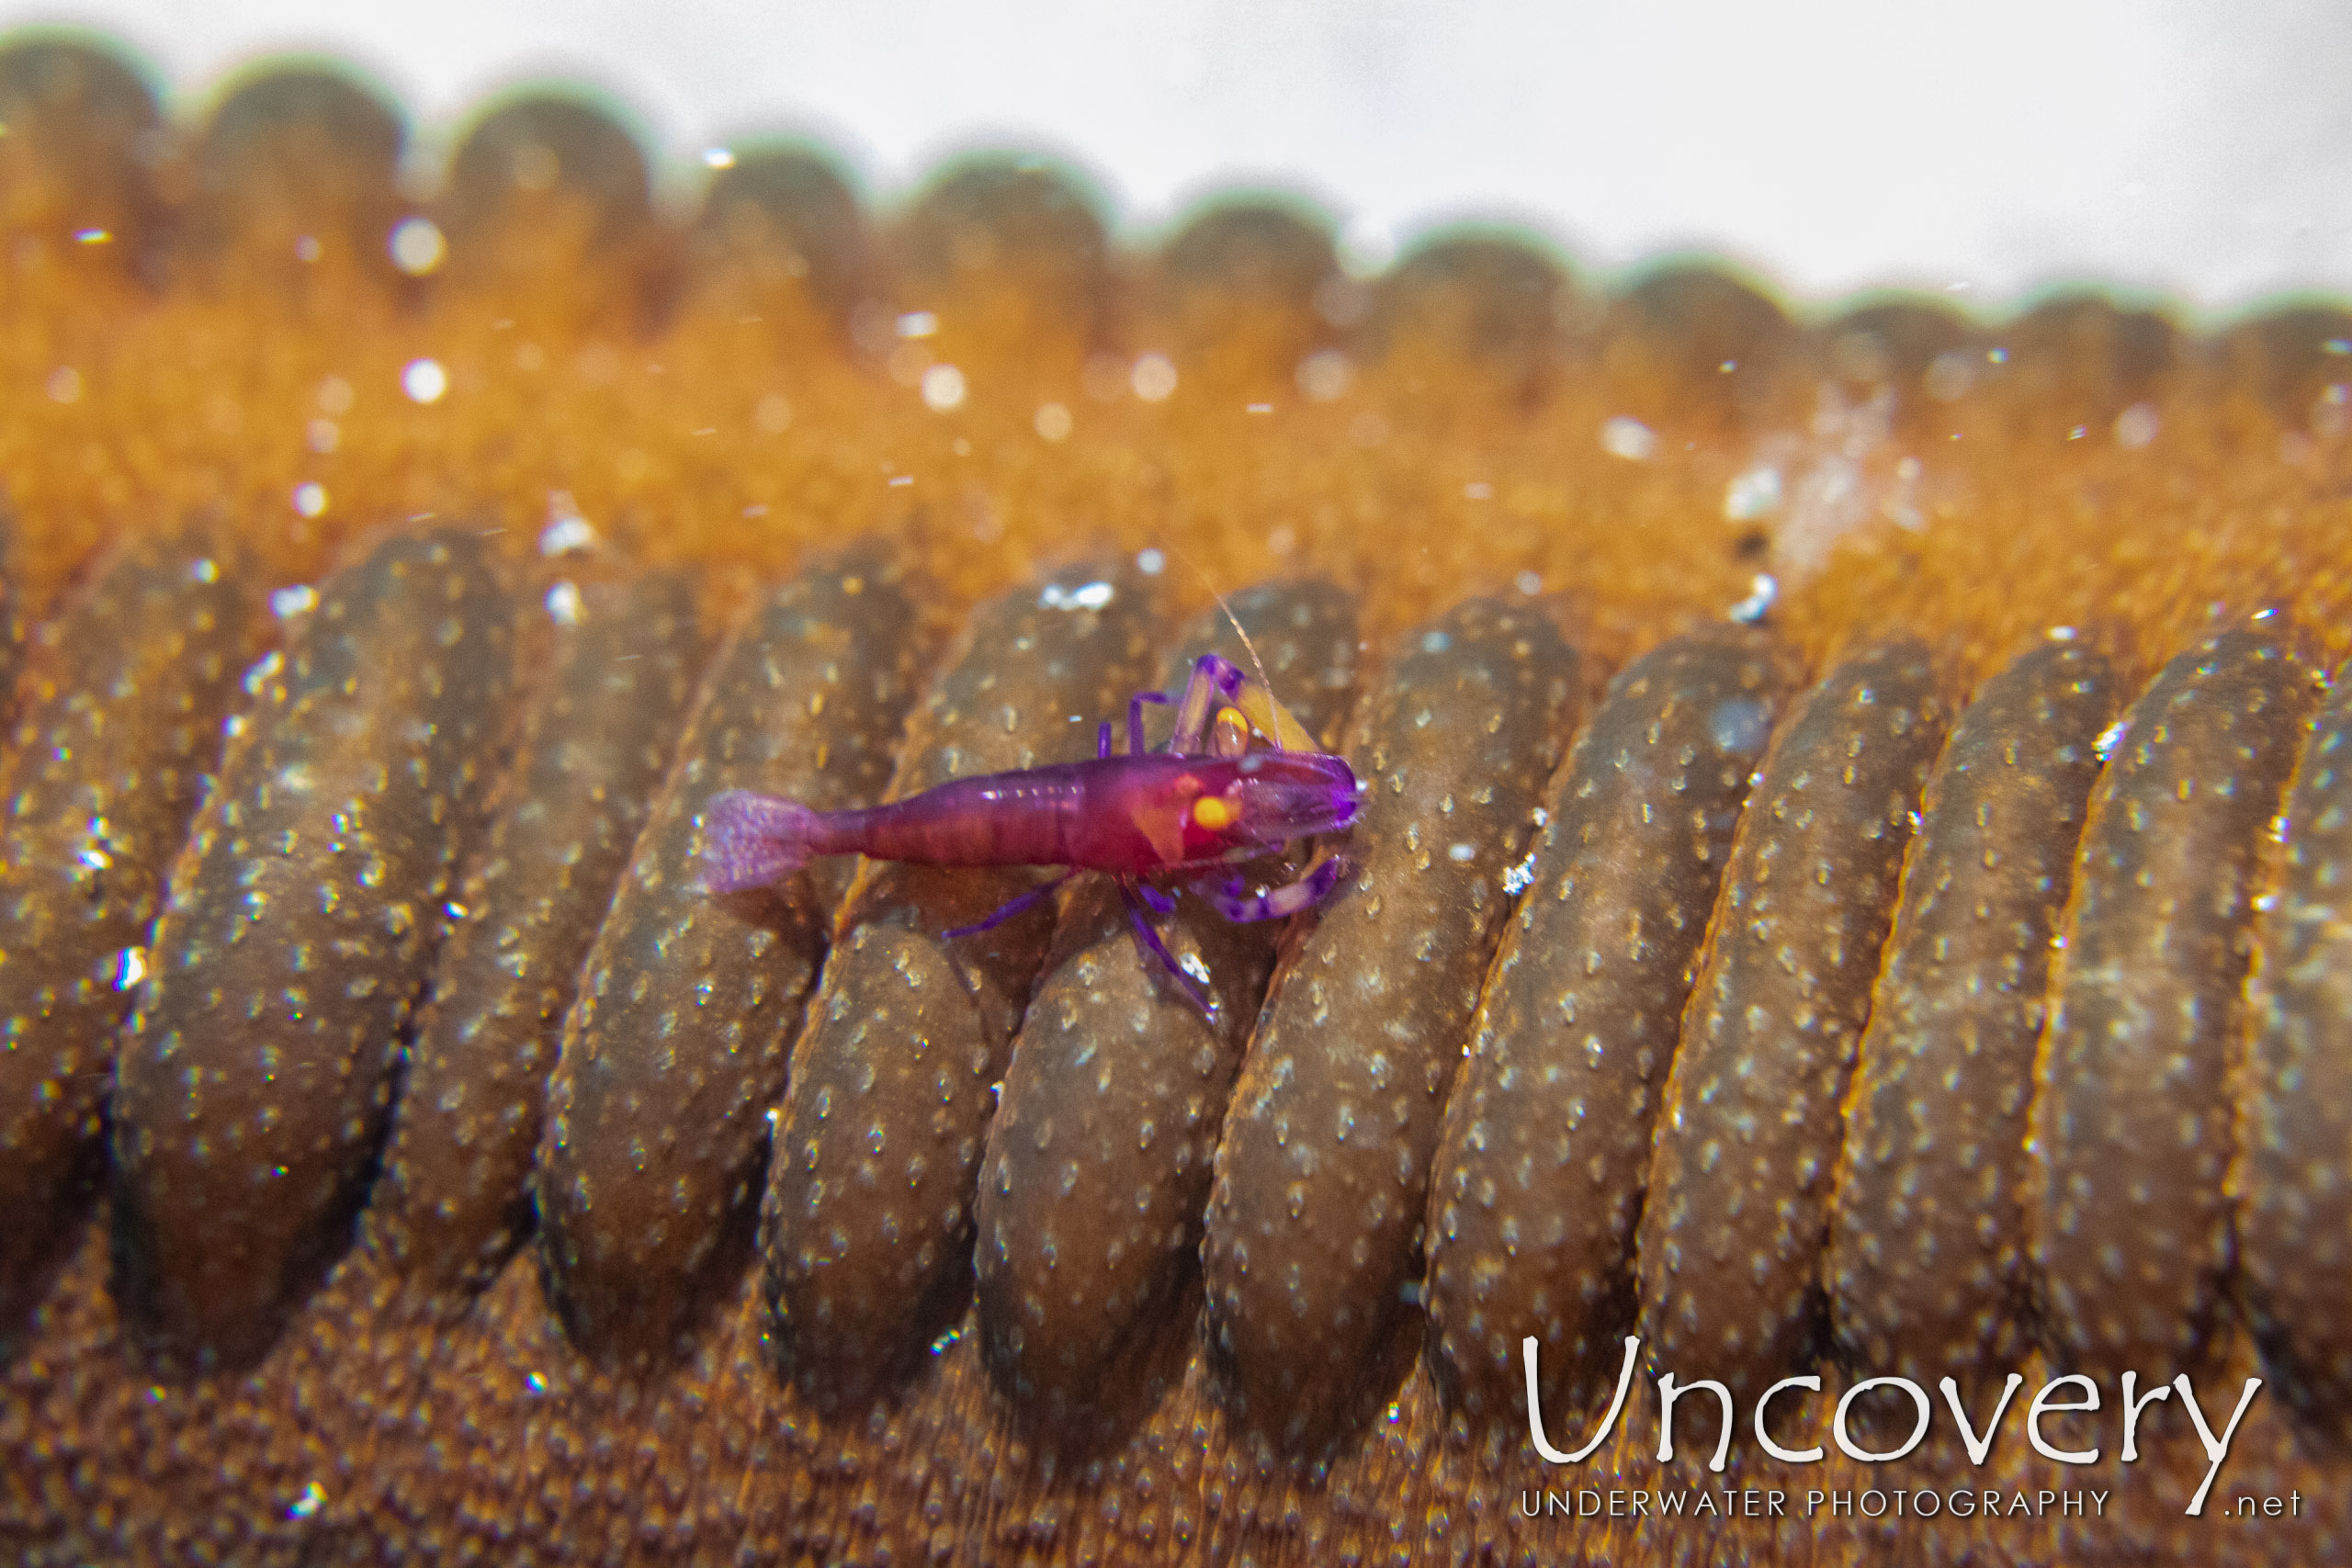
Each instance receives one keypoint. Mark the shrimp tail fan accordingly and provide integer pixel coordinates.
(751, 841)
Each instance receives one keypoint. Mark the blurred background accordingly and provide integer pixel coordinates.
(2188, 148)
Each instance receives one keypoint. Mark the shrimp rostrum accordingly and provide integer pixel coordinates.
(1188, 813)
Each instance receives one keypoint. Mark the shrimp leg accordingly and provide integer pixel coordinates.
(1007, 911)
(1135, 722)
(1225, 894)
(1149, 939)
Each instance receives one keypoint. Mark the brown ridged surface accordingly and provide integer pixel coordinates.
(1489, 298)
(1923, 1271)
(453, 1196)
(1011, 256)
(2294, 1095)
(867, 1225)
(1419, 464)
(674, 1053)
(1691, 333)
(120, 727)
(15, 616)
(257, 1064)
(1237, 293)
(1314, 1220)
(1098, 1162)
(781, 232)
(545, 184)
(1740, 1184)
(2132, 1131)
(1539, 1179)
(79, 154)
(292, 163)
(2079, 357)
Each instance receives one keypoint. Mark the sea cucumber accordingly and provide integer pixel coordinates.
(120, 726)
(2294, 1094)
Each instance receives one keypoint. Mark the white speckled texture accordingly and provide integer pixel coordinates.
(1925, 1266)
(1740, 1180)
(258, 1065)
(1540, 1177)
(2293, 1181)
(117, 732)
(453, 1196)
(2131, 1126)
(675, 1049)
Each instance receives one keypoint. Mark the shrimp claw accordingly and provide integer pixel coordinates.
(1226, 898)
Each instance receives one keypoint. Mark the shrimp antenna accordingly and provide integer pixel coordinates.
(1238, 630)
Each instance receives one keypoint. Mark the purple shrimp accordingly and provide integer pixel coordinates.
(1205, 801)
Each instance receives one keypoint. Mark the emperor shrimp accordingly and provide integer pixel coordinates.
(1207, 801)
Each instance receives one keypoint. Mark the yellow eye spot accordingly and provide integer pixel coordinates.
(1212, 812)
(1229, 734)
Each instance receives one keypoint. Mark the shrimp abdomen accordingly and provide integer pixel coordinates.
(1019, 818)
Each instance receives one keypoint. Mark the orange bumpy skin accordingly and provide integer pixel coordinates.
(202, 322)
